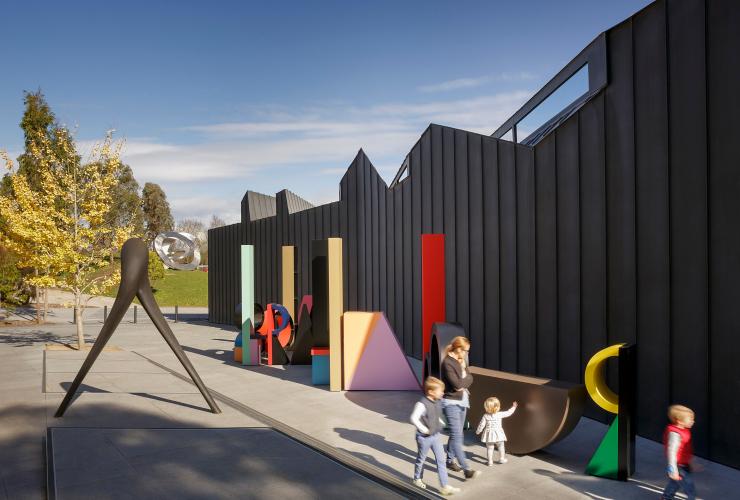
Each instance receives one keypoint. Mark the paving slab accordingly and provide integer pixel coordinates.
(197, 463)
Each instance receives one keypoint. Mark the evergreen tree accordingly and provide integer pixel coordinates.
(38, 124)
(126, 209)
(157, 215)
(127, 204)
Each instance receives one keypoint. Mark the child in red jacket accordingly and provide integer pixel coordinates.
(679, 452)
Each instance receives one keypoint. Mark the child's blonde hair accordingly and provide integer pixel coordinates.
(432, 383)
(492, 405)
(679, 413)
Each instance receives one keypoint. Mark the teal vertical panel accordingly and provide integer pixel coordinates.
(247, 259)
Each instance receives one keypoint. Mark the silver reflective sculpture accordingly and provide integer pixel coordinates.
(178, 250)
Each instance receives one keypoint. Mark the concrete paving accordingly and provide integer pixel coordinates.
(126, 391)
(198, 463)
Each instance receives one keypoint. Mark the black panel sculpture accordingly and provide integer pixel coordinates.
(135, 283)
(627, 416)
(320, 284)
(303, 340)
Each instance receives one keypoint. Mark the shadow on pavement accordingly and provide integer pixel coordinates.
(110, 451)
(378, 442)
(32, 337)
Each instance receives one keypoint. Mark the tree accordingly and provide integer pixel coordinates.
(155, 267)
(38, 122)
(157, 215)
(62, 228)
(194, 227)
(126, 209)
(12, 291)
(216, 221)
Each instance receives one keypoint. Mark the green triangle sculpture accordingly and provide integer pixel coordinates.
(605, 461)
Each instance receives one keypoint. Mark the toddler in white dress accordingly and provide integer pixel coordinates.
(490, 429)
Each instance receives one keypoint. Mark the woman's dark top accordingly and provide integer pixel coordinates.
(453, 379)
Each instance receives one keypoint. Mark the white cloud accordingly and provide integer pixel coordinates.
(332, 171)
(298, 150)
(467, 83)
(460, 83)
(202, 207)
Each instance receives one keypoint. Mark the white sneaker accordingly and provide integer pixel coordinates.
(490, 463)
(419, 484)
(502, 461)
(449, 490)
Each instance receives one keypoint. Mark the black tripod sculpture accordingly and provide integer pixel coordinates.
(135, 283)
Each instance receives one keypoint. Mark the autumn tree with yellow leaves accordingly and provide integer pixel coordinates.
(62, 228)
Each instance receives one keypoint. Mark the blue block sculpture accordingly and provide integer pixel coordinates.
(320, 366)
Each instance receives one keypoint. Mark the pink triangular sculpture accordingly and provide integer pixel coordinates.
(383, 365)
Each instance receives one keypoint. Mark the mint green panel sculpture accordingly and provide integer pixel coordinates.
(247, 301)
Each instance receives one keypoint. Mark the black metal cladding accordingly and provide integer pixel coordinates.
(621, 225)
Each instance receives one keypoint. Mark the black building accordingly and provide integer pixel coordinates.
(617, 221)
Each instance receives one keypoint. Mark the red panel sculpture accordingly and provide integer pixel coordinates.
(432, 287)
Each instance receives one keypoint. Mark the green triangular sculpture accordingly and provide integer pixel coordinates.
(605, 461)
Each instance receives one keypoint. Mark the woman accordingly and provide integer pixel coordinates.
(457, 379)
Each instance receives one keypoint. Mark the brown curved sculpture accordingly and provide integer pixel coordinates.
(135, 283)
(548, 409)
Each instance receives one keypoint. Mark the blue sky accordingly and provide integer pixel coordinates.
(214, 98)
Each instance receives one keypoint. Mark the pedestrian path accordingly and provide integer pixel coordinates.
(137, 388)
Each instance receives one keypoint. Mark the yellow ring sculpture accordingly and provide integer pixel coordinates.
(596, 383)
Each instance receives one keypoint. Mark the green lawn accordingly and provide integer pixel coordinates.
(179, 288)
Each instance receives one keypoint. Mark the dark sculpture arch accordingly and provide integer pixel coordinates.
(135, 283)
(442, 334)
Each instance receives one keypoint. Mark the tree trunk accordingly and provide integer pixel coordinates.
(38, 304)
(46, 302)
(78, 316)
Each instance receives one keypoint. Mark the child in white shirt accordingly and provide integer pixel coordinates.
(491, 430)
(427, 418)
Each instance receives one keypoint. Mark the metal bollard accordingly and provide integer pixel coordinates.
(105, 314)
(134, 314)
(175, 314)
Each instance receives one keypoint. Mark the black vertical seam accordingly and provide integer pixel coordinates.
(454, 225)
(533, 354)
(356, 242)
(557, 259)
(709, 230)
(372, 215)
(635, 229)
(500, 311)
(467, 201)
(670, 211)
(517, 230)
(483, 246)
(417, 239)
(580, 251)
(536, 295)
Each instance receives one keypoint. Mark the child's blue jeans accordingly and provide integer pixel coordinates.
(423, 443)
(685, 483)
